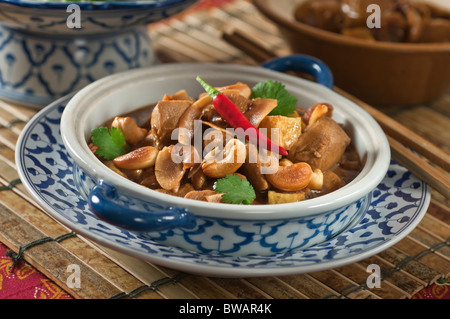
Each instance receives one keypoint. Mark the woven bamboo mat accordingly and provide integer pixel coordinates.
(417, 261)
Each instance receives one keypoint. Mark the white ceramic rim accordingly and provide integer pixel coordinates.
(75, 143)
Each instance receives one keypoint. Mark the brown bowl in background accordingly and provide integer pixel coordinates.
(380, 73)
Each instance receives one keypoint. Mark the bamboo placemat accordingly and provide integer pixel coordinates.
(419, 260)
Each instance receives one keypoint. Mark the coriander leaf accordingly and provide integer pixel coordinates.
(110, 143)
(276, 90)
(236, 190)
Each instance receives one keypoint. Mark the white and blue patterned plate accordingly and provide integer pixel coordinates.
(398, 204)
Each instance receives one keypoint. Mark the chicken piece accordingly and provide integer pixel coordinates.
(184, 189)
(188, 120)
(166, 116)
(258, 109)
(395, 28)
(237, 98)
(242, 88)
(148, 178)
(216, 198)
(198, 178)
(324, 14)
(321, 145)
(168, 173)
(359, 33)
(331, 182)
(181, 95)
(356, 12)
(437, 30)
(200, 195)
(253, 168)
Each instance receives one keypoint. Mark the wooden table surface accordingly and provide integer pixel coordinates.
(418, 260)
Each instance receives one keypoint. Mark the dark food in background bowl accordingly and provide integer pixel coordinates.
(320, 157)
(400, 20)
(384, 74)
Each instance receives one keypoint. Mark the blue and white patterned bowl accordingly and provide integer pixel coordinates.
(49, 49)
(215, 228)
(399, 203)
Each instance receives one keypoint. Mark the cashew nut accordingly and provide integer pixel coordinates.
(219, 163)
(291, 178)
(140, 158)
(316, 111)
(316, 181)
(132, 132)
(285, 162)
(186, 154)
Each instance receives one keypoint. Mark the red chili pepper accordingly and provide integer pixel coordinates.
(234, 117)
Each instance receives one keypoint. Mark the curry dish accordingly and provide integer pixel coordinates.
(160, 148)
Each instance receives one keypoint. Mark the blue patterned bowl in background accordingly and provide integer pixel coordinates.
(49, 49)
(216, 228)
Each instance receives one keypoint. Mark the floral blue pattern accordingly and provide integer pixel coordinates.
(42, 59)
(396, 206)
(39, 69)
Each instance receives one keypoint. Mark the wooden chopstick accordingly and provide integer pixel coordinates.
(401, 139)
(403, 134)
(419, 167)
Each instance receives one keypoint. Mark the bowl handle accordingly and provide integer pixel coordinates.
(303, 63)
(103, 203)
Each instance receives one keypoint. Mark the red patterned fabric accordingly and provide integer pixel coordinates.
(24, 282)
(439, 290)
